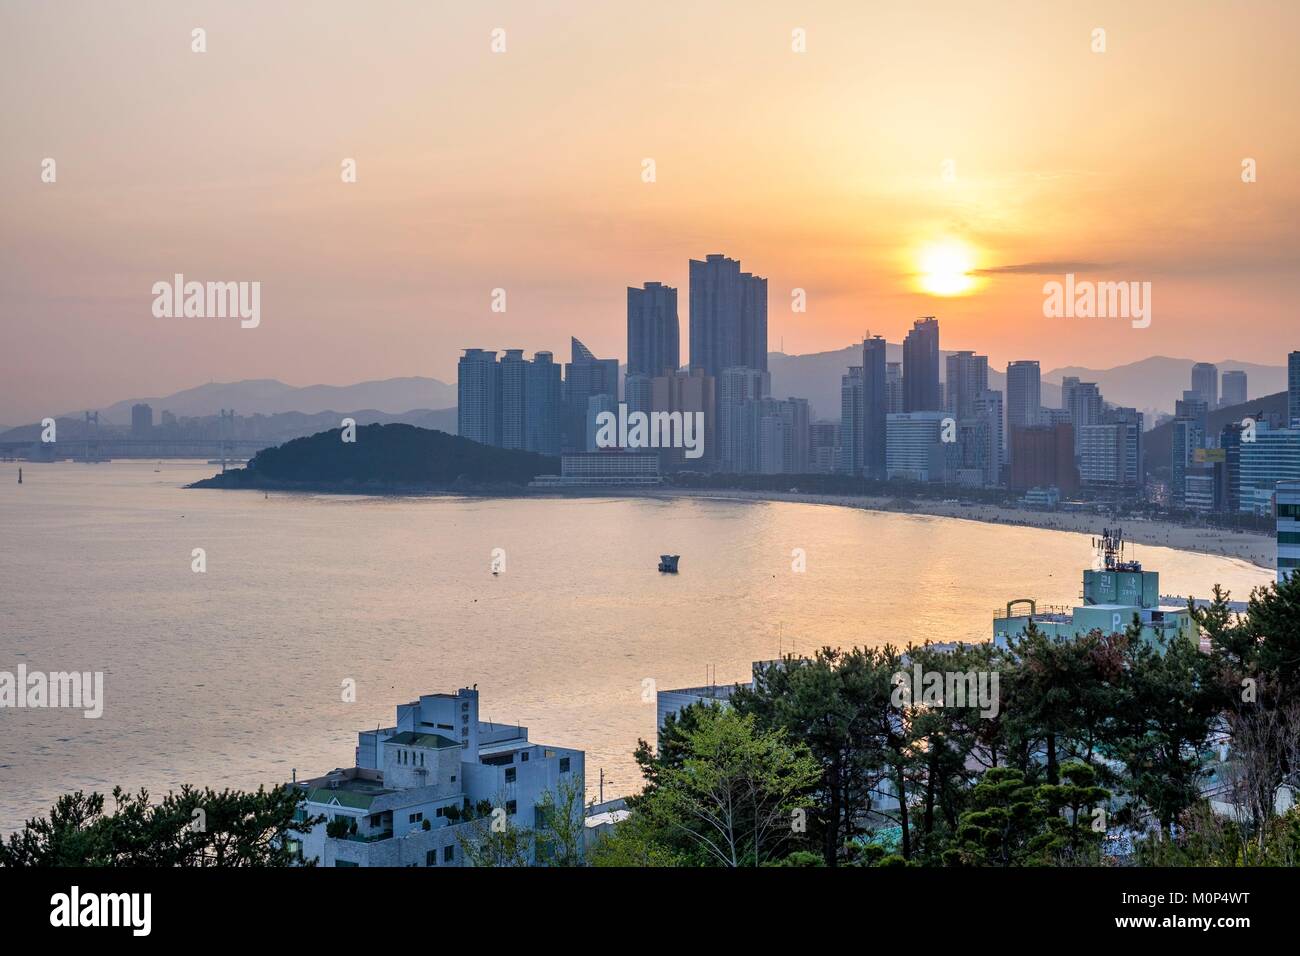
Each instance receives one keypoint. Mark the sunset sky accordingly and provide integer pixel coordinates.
(523, 170)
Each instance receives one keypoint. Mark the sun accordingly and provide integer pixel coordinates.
(945, 268)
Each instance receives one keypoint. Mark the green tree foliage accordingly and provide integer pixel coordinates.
(731, 799)
(191, 827)
(1012, 822)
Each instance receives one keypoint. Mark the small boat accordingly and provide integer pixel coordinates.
(668, 563)
(20, 476)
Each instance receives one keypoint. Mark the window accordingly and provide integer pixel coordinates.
(345, 863)
(511, 773)
(439, 812)
(431, 858)
(448, 854)
(421, 758)
(512, 807)
(415, 818)
(564, 765)
(523, 757)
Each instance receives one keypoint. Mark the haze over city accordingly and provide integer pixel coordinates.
(941, 161)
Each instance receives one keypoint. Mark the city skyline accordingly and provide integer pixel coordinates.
(847, 199)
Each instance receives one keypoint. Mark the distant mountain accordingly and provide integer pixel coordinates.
(268, 397)
(273, 429)
(1154, 384)
(386, 457)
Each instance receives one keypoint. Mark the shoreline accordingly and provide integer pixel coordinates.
(1258, 550)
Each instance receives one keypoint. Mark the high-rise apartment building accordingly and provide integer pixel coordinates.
(585, 376)
(893, 388)
(653, 330)
(739, 391)
(1024, 393)
(728, 321)
(511, 403)
(478, 397)
(921, 392)
(968, 376)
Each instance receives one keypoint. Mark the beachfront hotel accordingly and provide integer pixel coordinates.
(408, 799)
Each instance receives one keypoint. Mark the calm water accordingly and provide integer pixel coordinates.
(232, 678)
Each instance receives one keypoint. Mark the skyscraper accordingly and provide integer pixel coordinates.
(728, 316)
(141, 420)
(689, 392)
(968, 376)
(584, 377)
(1083, 402)
(478, 397)
(921, 367)
(653, 346)
(893, 387)
(543, 411)
(851, 421)
(1190, 418)
(513, 403)
(875, 408)
(513, 370)
(1205, 383)
(739, 389)
(1234, 388)
(1024, 393)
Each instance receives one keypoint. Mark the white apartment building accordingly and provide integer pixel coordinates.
(407, 799)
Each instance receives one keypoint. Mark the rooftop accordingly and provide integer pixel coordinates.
(432, 741)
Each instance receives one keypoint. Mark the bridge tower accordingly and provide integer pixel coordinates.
(92, 436)
(226, 435)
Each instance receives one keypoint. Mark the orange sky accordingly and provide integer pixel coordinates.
(522, 170)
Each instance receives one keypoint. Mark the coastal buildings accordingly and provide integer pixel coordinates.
(1288, 528)
(1114, 594)
(603, 469)
(1110, 451)
(511, 403)
(914, 447)
(740, 390)
(1274, 456)
(421, 787)
(1042, 456)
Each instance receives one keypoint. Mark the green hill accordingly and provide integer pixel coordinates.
(384, 457)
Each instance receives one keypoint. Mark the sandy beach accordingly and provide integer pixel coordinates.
(1257, 549)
